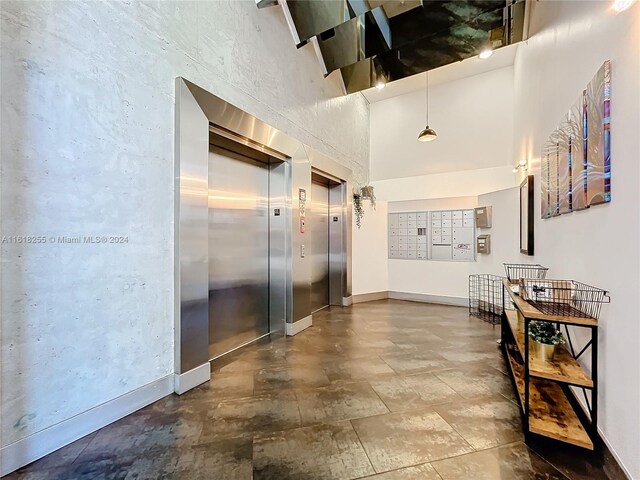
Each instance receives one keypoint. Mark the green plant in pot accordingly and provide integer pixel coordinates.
(546, 338)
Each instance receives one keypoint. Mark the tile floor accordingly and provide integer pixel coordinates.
(383, 390)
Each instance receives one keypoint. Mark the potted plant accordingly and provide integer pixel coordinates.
(367, 193)
(546, 338)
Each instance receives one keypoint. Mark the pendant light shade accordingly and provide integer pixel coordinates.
(428, 134)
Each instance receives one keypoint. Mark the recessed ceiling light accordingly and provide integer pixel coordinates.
(522, 162)
(380, 84)
(621, 5)
(486, 53)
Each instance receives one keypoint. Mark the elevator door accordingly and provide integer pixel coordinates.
(319, 247)
(238, 250)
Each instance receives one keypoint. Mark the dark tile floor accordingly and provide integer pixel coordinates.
(384, 390)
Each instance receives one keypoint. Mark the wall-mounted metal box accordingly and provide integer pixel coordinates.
(483, 244)
(483, 217)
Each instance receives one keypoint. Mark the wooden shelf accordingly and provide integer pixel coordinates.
(563, 367)
(550, 413)
(533, 313)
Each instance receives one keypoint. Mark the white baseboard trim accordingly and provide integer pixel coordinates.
(428, 298)
(39, 444)
(370, 297)
(615, 455)
(347, 301)
(196, 376)
(296, 327)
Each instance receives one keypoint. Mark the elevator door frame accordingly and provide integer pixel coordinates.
(278, 246)
(196, 110)
(337, 224)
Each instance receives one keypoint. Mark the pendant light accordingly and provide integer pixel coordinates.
(428, 134)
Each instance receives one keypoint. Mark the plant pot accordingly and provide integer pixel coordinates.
(367, 192)
(545, 351)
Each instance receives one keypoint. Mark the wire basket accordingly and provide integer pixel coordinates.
(516, 271)
(564, 298)
(487, 297)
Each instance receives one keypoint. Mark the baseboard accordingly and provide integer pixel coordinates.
(196, 376)
(615, 456)
(39, 444)
(428, 298)
(296, 327)
(370, 297)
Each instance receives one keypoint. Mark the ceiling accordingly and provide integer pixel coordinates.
(372, 41)
(469, 67)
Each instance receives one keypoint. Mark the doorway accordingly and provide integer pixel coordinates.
(242, 222)
(326, 248)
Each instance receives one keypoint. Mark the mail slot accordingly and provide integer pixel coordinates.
(483, 244)
(483, 217)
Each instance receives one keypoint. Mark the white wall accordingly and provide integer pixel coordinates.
(429, 276)
(369, 269)
(446, 185)
(473, 119)
(374, 272)
(598, 246)
(450, 279)
(87, 149)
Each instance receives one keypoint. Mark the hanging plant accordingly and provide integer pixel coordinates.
(367, 192)
(357, 208)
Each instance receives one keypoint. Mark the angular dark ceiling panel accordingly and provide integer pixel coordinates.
(385, 40)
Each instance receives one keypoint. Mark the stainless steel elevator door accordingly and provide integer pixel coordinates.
(319, 246)
(238, 250)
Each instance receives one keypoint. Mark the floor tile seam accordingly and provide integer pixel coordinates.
(364, 449)
(326, 421)
(347, 419)
(434, 372)
(401, 468)
(547, 462)
(276, 391)
(415, 409)
(416, 393)
(95, 435)
(295, 395)
(452, 387)
(457, 432)
(380, 398)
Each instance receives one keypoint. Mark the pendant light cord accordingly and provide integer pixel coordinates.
(427, 77)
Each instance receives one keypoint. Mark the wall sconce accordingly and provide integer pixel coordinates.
(521, 165)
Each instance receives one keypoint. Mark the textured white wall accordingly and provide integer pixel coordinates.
(598, 246)
(473, 117)
(87, 149)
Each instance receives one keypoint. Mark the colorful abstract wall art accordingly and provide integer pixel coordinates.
(598, 112)
(576, 159)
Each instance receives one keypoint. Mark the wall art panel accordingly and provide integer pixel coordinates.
(575, 165)
(564, 168)
(578, 157)
(598, 134)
